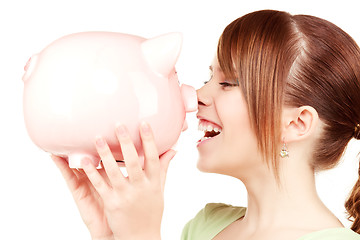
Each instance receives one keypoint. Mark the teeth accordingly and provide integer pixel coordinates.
(202, 128)
(208, 128)
(204, 138)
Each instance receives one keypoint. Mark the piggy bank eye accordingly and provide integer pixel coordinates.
(174, 76)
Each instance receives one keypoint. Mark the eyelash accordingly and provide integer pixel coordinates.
(223, 84)
(226, 84)
(211, 76)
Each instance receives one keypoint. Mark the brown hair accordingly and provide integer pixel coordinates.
(280, 59)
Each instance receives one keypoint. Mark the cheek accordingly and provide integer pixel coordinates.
(239, 139)
(233, 113)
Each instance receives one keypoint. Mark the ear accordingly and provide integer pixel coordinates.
(299, 123)
(162, 52)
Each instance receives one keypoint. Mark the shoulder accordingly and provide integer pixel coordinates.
(222, 211)
(211, 220)
(332, 234)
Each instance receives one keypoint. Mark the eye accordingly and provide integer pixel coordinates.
(225, 84)
(174, 76)
(228, 84)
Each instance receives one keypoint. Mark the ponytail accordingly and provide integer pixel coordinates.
(352, 206)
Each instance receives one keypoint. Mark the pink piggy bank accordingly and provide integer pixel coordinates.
(81, 85)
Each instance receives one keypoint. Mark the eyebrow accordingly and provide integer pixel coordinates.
(211, 68)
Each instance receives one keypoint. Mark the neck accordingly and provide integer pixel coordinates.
(290, 202)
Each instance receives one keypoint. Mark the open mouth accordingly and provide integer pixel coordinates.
(211, 130)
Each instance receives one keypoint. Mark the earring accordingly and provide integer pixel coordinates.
(284, 151)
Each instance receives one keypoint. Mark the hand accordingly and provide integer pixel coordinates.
(133, 205)
(87, 199)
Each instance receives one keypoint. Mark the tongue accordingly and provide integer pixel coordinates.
(211, 134)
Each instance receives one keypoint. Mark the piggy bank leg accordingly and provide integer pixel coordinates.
(76, 158)
(185, 126)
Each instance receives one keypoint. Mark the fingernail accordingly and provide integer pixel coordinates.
(100, 142)
(145, 128)
(121, 131)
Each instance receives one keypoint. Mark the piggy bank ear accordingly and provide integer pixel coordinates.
(162, 52)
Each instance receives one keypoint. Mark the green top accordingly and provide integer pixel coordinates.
(216, 216)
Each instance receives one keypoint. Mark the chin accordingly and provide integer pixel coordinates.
(204, 165)
(210, 165)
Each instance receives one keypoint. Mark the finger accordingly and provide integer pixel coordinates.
(70, 177)
(104, 176)
(95, 178)
(131, 158)
(164, 164)
(79, 173)
(113, 172)
(151, 163)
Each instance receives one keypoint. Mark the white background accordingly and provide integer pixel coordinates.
(34, 200)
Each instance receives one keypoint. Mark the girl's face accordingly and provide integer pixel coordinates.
(229, 145)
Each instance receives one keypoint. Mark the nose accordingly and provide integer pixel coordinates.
(203, 98)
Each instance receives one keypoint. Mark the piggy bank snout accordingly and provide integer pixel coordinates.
(189, 97)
